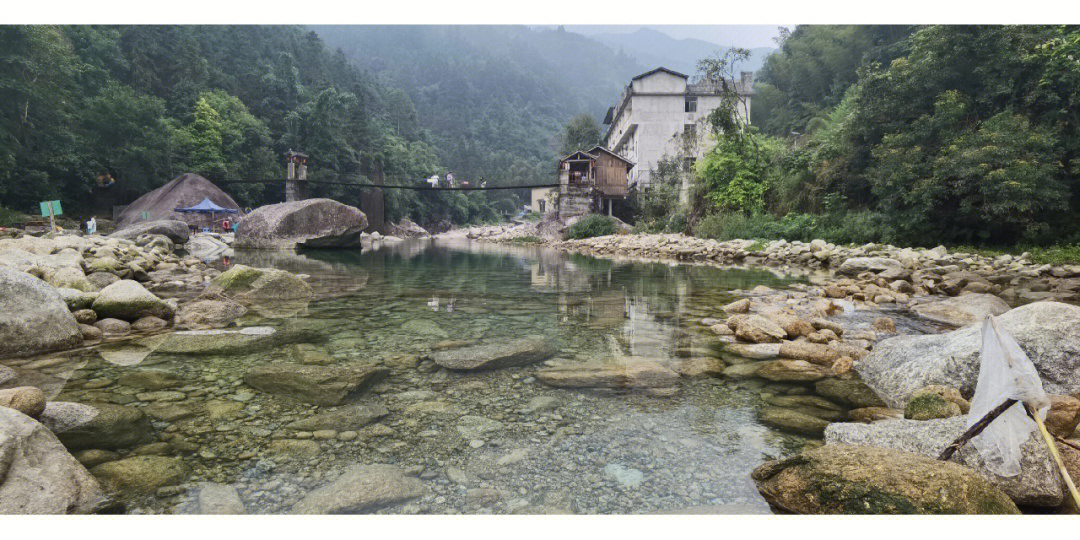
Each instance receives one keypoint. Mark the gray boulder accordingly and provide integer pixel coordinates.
(207, 313)
(321, 385)
(33, 317)
(858, 265)
(38, 475)
(520, 352)
(262, 284)
(173, 229)
(361, 489)
(313, 223)
(1038, 484)
(129, 301)
(1046, 331)
(962, 310)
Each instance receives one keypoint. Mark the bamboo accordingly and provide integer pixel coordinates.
(975, 429)
(1049, 440)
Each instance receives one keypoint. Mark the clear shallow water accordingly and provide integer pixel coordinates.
(486, 442)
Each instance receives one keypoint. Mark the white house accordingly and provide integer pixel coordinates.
(654, 108)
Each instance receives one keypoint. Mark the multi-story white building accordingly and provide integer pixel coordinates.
(654, 109)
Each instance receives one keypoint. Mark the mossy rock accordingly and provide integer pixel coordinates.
(843, 479)
(793, 421)
(259, 284)
(239, 278)
(929, 406)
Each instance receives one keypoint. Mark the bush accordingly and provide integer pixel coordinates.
(527, 239)
(590, 226)
(11, 218)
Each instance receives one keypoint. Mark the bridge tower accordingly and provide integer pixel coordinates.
(296, 178)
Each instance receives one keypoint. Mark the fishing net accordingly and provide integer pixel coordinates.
(1005, 372)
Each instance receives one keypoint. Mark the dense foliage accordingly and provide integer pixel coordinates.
(142, 104)
(590, 226)
(937, 134)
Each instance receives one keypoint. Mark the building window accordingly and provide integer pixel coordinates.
(690, 130)
(691, 104)
(688, 164)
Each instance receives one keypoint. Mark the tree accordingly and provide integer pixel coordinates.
(581, 133)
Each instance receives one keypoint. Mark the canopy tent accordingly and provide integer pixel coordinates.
(206, 207)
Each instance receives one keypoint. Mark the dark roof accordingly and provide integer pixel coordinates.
(617, 156)
(664, 69)
(586, 155)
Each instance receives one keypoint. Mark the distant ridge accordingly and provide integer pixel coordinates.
(655, 48)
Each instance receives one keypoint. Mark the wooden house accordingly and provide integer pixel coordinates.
(589, 180)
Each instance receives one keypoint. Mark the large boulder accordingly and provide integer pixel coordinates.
(262, 284)
(208, 313)
(33, 317)
(101, 425)
(173, 229)
(1046, 331)
(843, 479)
(962, 310)
(186, 190)
(314, 223)
(858, 265)
(38, 475)
(361, 489)
(127, 300)
(321, 385)
(1038, 484)
(496, 355)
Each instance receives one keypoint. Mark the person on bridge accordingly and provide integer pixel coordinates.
(450, 179)
(433, 181)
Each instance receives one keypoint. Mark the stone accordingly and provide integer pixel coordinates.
(1044, 330)
(758, 329)
(962, 310)
(219, 499)
(754, 351)
(113, 327)
(320, 385)
(791, 371)
(100, 280)
(884, 324)
(845, 479)
(90, 333)
(639, 374)
(347, 418)
(699, 367)
(1064, 415)
(626, 477)
(85, 316)
(792, 421)
(175, 230)
(262, 284)
(38, 475)
(100, 425)
(150, 379)
(141, 474)
(858, 265)
(738, 306)
(78, 300)
(293, 448)
(129, 301)
(241, 341)
(149, 324)
(1038, 484)
(28, 400)
(476, 427)
(811, 352)
(361, 489)
(208, 313)
(850, 392)
(93, 457)
(496, 355)
(312, 223)
(873, 414)
(34, 318)
(928, 406)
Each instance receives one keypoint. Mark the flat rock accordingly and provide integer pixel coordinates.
(219, 499)
(858, 265)
(961, 310)
(361, 489)
(347, 418)
(630, 375)
(321, 385)
(521, 352)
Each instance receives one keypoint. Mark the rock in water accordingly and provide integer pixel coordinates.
(842, 479)
(25, 399)
(173, 229)
(101, 425)
(220, 499)
(259, 284)
(33, 317)
(1047, 331)
(1038, 483)
(521, 352)
(38, 475)
(142, 474)
(632, 375)
(962, 310)
(321, 385)
(361, 489)
(352, 417)
(127, 300)
(208, 313)
(314, 223)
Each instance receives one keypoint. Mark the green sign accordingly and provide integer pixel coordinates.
(56, 209)
(145, 216)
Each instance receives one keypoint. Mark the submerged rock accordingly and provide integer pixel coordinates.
(219, 499)
(361, 489)
(101, 425)
(262, 284)
(496, 355)
(1038, 483)
(850, 392)
(792, 421)
(33, 317)
(321, 385)
(631, 375)
(315, 223)
(38, 475)
(243, 341)
(142, 474)
(1046, 331)
(843, 479)
(351, 417)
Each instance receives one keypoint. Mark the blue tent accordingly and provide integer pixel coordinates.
(207, 207)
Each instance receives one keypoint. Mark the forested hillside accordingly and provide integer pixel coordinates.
(494, 97)
(144, 103)
(954, 134)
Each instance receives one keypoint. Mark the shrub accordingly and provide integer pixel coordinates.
(11, 218)
(590, 226)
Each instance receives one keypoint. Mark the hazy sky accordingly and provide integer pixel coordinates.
(739, 35)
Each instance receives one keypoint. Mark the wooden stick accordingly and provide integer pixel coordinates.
(1049, 440)
(975, 429)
